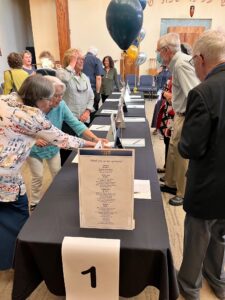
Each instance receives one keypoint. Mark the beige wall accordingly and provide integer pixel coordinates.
(15, 29)
(88, 25)
(44, 26)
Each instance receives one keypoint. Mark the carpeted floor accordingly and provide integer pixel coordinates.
(174, 217)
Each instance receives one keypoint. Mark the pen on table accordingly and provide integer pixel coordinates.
(135, 142)
(99, 127)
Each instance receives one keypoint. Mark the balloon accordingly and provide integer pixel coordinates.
(143, 3)
(135, 43)
(132, 52)
(124, 20)
(142, 57)
(141, 35)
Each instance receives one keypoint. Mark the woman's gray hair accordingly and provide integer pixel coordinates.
(35, 88)
(56, 82)
(211, 45)
(170, 40)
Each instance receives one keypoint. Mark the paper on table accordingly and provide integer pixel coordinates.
(100, 127)
(75, 160)
(135, 96)
(111, 100)
(91, 268)
(98, 145)
(142, 189)
(135, 106)
(134, 119)
(109, 111)
(133, 143)
(136, 100)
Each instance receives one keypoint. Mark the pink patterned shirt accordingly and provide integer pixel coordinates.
(20, 126)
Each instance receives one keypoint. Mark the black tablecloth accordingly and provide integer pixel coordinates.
(145, 256)
(132, 112)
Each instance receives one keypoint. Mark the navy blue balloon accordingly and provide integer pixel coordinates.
(143, 3)
(124, 20)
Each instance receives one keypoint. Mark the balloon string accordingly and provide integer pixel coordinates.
(124, 53)
(136, 67)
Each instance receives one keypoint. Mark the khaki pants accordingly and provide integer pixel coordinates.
(36, 168)
(176, 166)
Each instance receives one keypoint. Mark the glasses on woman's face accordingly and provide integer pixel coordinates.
(58, 96)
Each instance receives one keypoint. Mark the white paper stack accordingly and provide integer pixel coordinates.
(135, 106)
(133, 143)
(142, 189)
(134, 119)
(100, 127)
(109, 111)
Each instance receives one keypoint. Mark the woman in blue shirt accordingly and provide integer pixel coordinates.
(59, 113)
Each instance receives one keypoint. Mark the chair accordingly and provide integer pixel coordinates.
(162, 78)
(147, 85)
(130, 78)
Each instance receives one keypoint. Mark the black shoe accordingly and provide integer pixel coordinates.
(159, 170)
(162, 179)
(220, 294)
(32, 207)
(166, 189)
(176, 201)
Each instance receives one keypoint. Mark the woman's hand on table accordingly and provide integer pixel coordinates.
(41, 143)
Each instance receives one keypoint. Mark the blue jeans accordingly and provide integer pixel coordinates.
(13, 215)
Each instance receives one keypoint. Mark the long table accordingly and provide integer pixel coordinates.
(132, 112)
(145, 255)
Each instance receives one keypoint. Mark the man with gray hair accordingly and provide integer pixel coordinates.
(203, 142)
(94, 70)
(183, 80)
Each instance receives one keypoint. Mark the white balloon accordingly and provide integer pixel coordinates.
(142, 57)
(142, 34)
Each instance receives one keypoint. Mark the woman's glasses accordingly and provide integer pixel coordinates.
(58, 96)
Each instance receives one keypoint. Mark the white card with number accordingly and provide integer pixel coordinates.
(91, 268)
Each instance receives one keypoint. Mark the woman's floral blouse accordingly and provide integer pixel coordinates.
(20, 126)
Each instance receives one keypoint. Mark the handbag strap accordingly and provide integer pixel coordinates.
(13, 84)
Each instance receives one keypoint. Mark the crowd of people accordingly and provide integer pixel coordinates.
(195, 162)
(45, 109)
(36, 105)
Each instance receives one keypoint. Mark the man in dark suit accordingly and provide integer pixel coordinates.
(203, 142)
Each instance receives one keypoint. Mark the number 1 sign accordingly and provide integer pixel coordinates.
(91, 268)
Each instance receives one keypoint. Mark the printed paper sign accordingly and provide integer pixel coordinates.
(107, 197)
